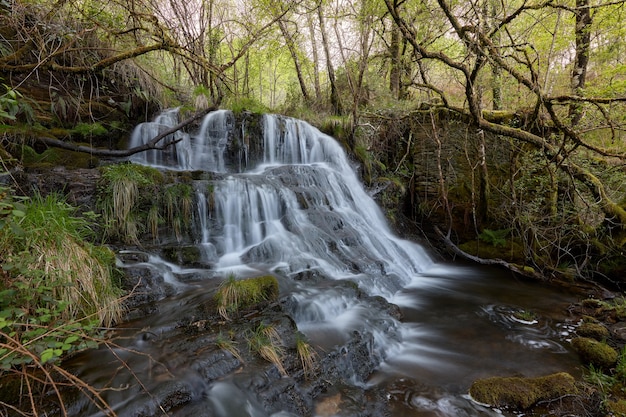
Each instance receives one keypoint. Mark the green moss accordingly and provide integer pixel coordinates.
(184, 255)
(235, 295)
(616, 408)
(55, 156)
(510, 250)
(593, 330)
(87, 130)
(595, 353)
(521, 393)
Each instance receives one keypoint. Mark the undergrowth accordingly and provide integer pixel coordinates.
(56, 293)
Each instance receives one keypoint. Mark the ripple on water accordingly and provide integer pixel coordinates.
(525, 327)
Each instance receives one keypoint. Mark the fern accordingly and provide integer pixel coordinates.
(495, 238)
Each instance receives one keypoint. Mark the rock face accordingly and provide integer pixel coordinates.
(198, 356)
(192, 361)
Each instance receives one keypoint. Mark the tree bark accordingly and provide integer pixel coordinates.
(581, 60)
(334, 94)
(294, 56)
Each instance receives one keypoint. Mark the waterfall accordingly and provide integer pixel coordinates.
(202, 151)
(290, 204)
(296, 207)
(301, 208)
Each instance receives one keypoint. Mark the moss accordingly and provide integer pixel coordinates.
(510, 251)
(185, 255)
(616, 408)
(521, 393)
(593, 330)
(235, 295)
(595, 353)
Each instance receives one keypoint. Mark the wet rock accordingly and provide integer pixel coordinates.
(145, 287)
(521, 393)
(619, 331)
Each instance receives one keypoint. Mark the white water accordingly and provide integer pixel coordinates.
(303, 209)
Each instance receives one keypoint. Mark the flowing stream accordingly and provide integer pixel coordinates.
(300, 208)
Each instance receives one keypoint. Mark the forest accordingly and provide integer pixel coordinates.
(497, 127)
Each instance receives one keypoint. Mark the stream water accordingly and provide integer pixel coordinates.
(300, 208)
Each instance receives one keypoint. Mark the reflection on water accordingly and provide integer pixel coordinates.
(465, 323)
(302, 210)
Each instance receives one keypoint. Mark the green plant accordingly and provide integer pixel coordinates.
(123, 194)
(240, 104)
(495, 238)
(89, 129)
(229, 346)
(9, 103)
(56, 291)
(44, 250)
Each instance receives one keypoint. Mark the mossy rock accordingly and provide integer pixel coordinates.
(236, 295)
(54, 156)
(596, 353)
(521, 393)
(184, 255)
(593, 331)
(616, 408)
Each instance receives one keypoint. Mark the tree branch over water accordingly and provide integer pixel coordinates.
(152, 145)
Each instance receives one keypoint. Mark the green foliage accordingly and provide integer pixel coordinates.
(44, 249)
(125, 193)
(136, 199)
(9, 103)
(89, 129)
(55, 289)
(241, 104)
(495, 238)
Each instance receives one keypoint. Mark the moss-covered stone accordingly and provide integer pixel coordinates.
(596, 353)
(235, 295)
(522, 393)
(593, 330)
(616, 408)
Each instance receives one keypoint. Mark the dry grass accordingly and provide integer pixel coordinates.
(307, 355)
(266, 341)
(79, 278)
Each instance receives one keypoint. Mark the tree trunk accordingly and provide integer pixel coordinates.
(394, 66)
(296, 61)
(581, 60)
(316, 61)
(334, 94)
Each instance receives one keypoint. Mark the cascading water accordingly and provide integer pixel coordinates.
(298, 208)
(202, 151)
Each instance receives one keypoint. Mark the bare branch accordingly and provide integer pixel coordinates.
(152, 145)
